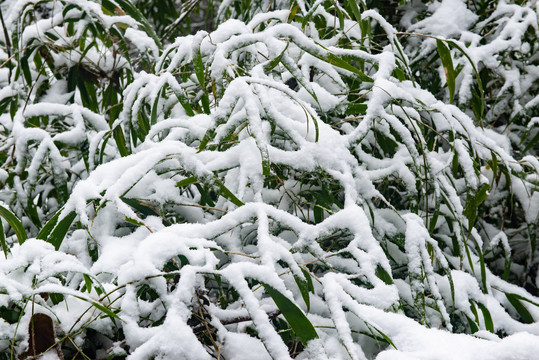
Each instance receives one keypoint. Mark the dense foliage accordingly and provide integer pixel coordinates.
(291, 179)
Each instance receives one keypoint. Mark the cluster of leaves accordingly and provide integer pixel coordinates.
(300, 180)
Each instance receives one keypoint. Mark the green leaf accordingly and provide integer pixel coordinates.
(266, 162)
(383, 275)
(473, 202)
(274, 62)
(473, 326)
(222, 189)
(185, 103)
(489, 324)
(447, 62)
(26, 70)
(384, 336)
(293, 314)
(337, 61)
(133, 221)
(532, 142)
(140, 206)
(352, 4)
(3, 240)
(118, 135)
(478, 99)
(198, 66)
(494, 165)
(54, 231)
(100, 307)
(305, 286)
(87, 282)
(187, 181)
(15, 224)
(355, 109)
(228, 194)
(524, 314)
(132, 11)
(155, 109)
(56, 298)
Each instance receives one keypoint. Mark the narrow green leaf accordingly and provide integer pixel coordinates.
(494, 164)
(337, 61)
(266, 162)
(305, 286)
(292, 14)
(386, 338)
(447, 62)
(155, 110)
(185, 103)
(49, 226)
(474, 311)
(352, 4)
(118, 135)
(57, 236)
(480, 101)
(532, 142)
(132, 11)
(472, 204)
(221, 188)
(15, 224)
(489, 324)
(54, 231)
(3, 239)
(473, 326)
(274, 62)
(310, 14)
(293, 314)
(31, 212)
(524, 314)
(143, 208)
(26, 70)
(87, 282)
(100, 307)
(133, 221)
(383, 275)
(356, 109)
(187, 181)
(228, 194)
(198, 66)
(56, 298)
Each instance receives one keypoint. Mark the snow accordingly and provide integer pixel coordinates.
(449, 17)
(274, 184)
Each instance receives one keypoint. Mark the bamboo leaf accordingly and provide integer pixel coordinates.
(274, 62)
(187, 181)
(15, 224)
(479, 98)
(489, 324)
(132, 11)
(293, 314)
(352, 4)
(54, 231)
(305, 286)
(383, 275)
(3, 240)
(337, 61)
(198, 66)
(118, 135)
(524, 314)
(447, 62)
(100, 307)
(221, 188)
(87, 282)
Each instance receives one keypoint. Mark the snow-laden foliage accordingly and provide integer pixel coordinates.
(316, 180)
